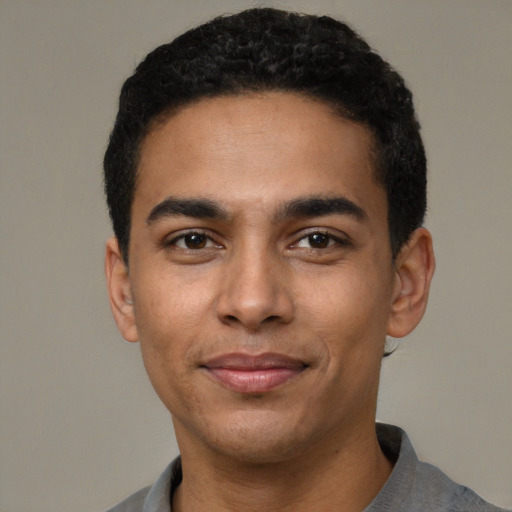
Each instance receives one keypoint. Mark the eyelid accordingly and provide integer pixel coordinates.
(171, 239)
(341, 238)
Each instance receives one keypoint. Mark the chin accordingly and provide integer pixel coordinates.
(256, 438)
(259, 449)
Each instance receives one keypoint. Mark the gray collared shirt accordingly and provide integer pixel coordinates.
(413, 486)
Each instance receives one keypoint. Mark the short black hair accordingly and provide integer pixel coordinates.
(266, 49)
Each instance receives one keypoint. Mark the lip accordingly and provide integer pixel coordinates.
(253, 374)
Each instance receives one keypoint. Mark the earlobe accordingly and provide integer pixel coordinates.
(119, 291)
(414, 269)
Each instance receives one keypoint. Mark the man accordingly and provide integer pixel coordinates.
(266, 180)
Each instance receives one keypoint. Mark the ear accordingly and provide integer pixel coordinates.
(414, 268)
(119, 291)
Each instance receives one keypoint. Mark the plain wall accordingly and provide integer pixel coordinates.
(81, 427)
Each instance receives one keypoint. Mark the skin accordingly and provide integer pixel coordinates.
(263, 278)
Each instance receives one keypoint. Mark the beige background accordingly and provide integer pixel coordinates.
(80, 425)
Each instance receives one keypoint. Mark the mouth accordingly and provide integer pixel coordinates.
(253, 374)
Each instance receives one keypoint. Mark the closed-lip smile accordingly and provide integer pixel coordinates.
(247, 373)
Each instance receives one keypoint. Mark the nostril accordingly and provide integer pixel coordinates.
(252, 306)
(235, 319)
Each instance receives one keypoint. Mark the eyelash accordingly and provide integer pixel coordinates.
(205, 236)
(331, 240)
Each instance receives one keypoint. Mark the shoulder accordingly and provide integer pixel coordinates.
(434, 490)
(156, 498)
(416, 486)
(133, 503)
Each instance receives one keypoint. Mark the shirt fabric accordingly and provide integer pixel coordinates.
(413, 486)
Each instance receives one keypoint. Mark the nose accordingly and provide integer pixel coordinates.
(256, 291)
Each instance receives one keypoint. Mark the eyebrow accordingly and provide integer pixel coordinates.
(320, 206)
(194, 207)
(305, 207)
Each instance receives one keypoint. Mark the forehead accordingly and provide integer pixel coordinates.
(266, 147)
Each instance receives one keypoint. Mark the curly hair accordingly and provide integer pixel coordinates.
(265, 49)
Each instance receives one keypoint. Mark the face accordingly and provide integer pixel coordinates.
(261, 275)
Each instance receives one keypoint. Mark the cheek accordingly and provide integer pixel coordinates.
(349, 304)
(171, 299)
(169, 329)
(167, 314)
(350, 318)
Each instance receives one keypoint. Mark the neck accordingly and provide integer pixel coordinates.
(331, 476)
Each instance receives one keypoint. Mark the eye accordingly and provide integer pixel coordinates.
(192, 241)
(319, 240)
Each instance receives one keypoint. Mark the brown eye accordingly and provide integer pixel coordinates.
(319, 240)
(192, 241)
(195, 241)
